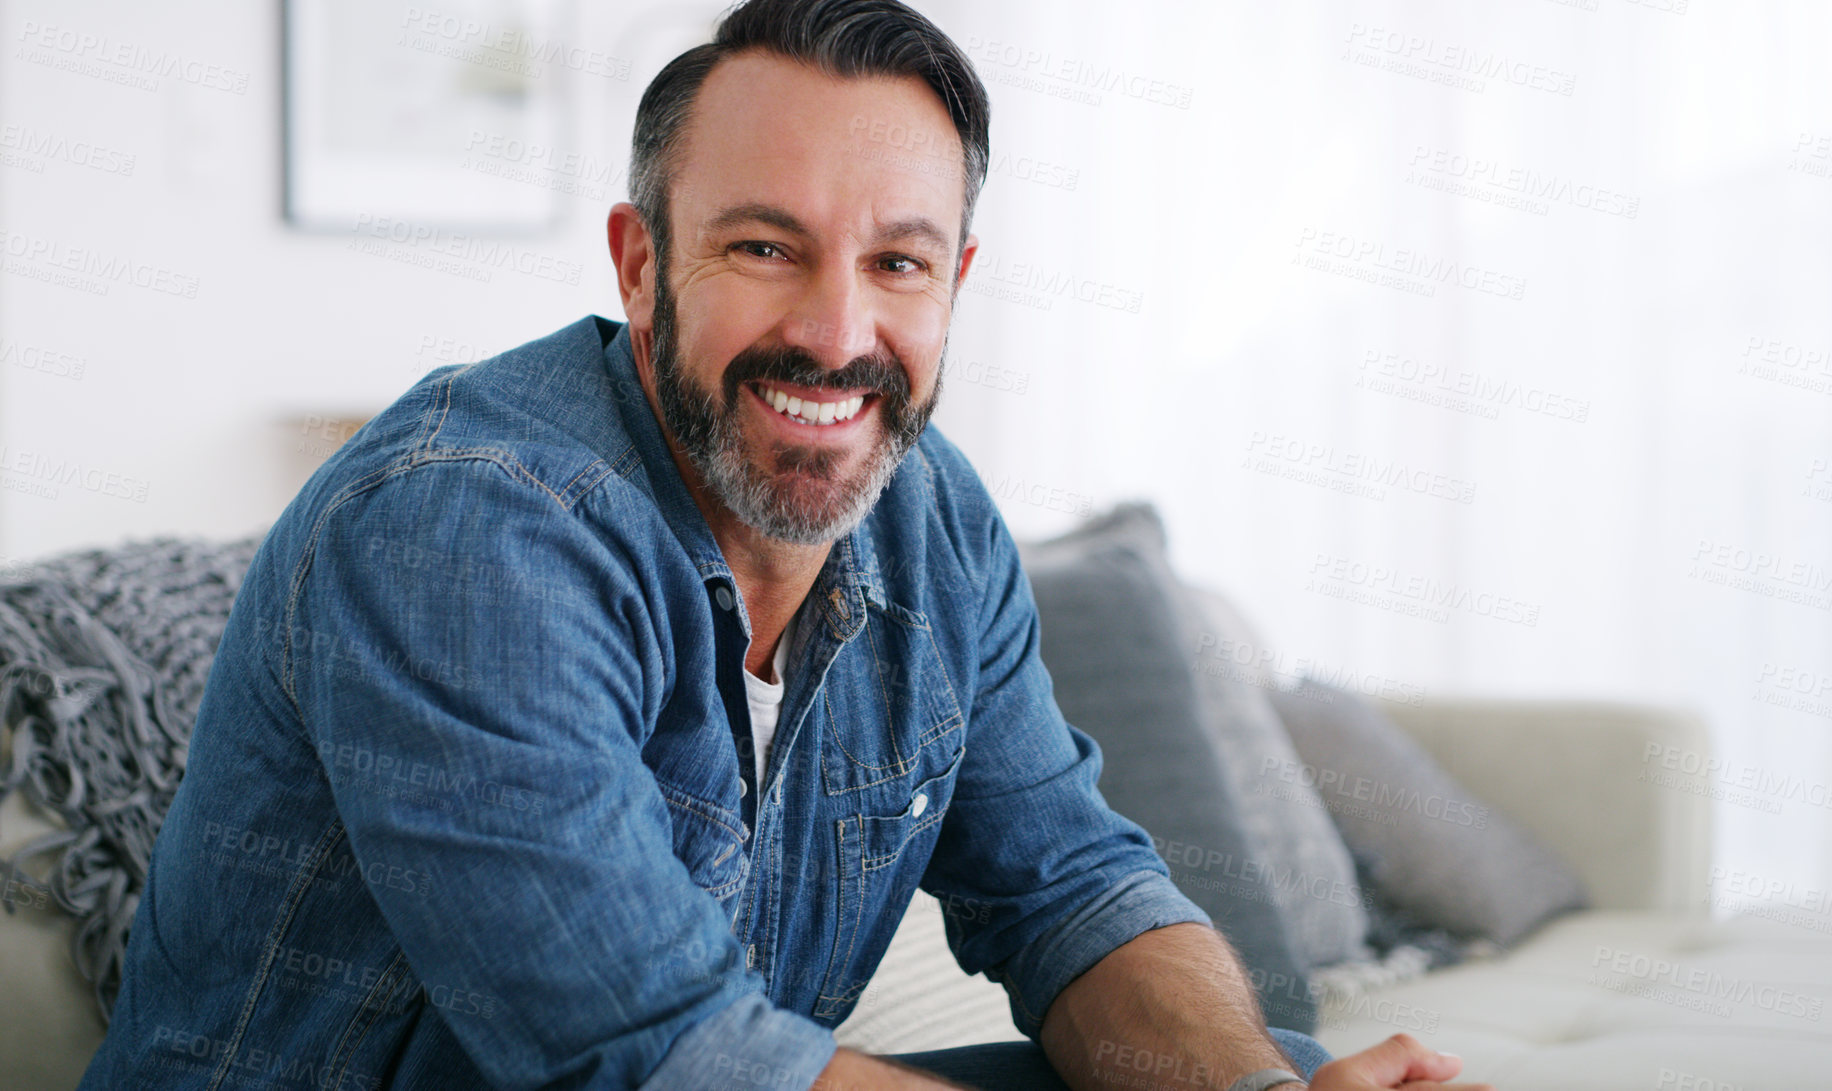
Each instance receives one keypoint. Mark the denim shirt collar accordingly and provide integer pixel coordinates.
(848, 577)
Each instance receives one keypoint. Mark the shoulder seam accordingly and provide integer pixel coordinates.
(594, 474)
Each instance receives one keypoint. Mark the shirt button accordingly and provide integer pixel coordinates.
(745, 831)
(919, 804)
(743, 788)
(724, 595)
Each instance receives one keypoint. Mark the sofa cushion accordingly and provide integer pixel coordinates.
(1430, 847)
(920, 998)
(1313, 878)
(1117, 649)
(1620, 999)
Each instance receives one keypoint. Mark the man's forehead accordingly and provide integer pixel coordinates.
(767, 130)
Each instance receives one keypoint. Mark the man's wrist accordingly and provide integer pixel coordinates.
(1269, 1079)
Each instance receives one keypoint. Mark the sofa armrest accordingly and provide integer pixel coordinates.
(1603, 785)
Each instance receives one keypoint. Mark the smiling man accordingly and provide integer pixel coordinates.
(589, 719)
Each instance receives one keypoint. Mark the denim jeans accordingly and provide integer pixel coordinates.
(1021, 1066)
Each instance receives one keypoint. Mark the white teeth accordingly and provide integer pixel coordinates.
(813, 412)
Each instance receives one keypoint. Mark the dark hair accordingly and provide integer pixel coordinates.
(848, 38)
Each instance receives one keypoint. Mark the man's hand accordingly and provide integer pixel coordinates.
(1401, 1061)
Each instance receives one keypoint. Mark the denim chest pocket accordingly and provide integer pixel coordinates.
(709, 839)
(880, 859)
(892, 714)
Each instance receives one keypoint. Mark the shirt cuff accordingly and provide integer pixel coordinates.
(749, 1044)
(1138, 903)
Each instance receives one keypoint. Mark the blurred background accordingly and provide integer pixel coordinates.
(1472, 348)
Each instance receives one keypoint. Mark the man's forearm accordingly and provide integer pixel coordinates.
(1172, 1005)
(851, 1070)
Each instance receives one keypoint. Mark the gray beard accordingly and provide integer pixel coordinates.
(805, 501)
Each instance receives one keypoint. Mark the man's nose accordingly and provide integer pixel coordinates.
(833, 320)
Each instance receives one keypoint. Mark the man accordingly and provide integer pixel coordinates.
(589, 718)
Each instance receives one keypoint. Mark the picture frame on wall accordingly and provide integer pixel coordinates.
(425, 118)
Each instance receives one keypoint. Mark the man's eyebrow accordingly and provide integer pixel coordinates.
(917, 227)
(757, 212)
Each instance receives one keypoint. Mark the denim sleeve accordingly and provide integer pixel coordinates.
(1038, 878)
(474, 665)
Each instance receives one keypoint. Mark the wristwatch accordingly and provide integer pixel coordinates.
(1266, 1079)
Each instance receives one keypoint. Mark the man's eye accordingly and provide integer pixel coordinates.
(769, 251)
(899, 263)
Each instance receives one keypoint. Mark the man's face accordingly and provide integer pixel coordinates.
(800, 321)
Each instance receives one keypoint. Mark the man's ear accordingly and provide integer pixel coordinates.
(967, 252)
(633, 253)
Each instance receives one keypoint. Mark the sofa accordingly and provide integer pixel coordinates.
(1641, 988)
(1584, 1002)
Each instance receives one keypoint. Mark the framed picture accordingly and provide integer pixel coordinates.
(433, 116)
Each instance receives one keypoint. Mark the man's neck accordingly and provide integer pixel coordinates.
(773, 577)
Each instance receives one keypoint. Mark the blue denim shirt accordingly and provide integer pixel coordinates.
(469, 799)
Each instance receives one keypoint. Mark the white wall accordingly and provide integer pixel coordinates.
(1624, 533)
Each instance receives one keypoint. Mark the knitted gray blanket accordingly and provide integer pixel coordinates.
(103, 658)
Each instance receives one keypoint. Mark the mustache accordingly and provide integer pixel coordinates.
(876, 372)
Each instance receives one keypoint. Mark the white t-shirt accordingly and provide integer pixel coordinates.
(765, 699)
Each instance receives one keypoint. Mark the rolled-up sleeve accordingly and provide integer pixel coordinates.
(457, 625)
(1063, 879)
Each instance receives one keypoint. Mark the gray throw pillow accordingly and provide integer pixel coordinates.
(1116, 647)
(1313, 876)
(1430, 847)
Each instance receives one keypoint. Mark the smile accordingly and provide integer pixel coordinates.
(808, 411)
